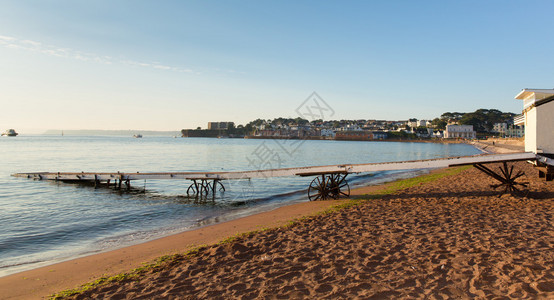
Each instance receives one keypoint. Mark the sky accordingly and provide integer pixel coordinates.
(169, 65)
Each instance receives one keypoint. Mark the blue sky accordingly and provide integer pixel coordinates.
(168, 65)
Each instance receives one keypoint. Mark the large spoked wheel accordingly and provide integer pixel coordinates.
(197, 188)
(318, 189)
(338, 186)
(216, 185)
(192, 190)
(331, 186)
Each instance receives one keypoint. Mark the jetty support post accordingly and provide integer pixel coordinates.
(546, 172)
(202, 187)
(215, 184)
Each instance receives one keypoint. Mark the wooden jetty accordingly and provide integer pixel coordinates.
(329, 182)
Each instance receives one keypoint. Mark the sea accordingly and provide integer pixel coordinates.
(44, 222)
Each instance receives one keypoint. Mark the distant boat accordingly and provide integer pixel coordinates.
(10, 132)
(137, 136)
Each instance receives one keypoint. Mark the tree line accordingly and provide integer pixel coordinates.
(482, 120)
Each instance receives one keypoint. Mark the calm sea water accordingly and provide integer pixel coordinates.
(44, 222)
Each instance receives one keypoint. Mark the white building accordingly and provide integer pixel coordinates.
(516, 131)
(412, 124)
(418, 123)
(459, 131)
(506, 130)
(351, 127)
(437, 134)
(500, 128)
(538, 112)
(422, 123)
(328, 133)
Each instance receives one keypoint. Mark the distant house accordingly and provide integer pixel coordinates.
(500, 128)
(379, 135)
(516, 131)
(506, 130)
(538, 118)
(459, 131)
(422, 123)
(350, 127)
(328, 133)
(438, 134)
(423, 132)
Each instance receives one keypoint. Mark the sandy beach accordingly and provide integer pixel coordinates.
(451, 238)
(448, 238)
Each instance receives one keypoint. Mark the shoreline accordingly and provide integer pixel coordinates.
(490, 148)
(316, 138)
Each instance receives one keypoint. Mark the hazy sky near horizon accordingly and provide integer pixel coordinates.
(168, 65)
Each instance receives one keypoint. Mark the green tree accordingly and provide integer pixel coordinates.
(439, 123)
(483, 120)
(300, 121)
(231, 128)
(452, 117)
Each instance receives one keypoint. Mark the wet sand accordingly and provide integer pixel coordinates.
(450, 238)
(499, 146)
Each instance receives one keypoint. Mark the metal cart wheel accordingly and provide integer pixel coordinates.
(328, 186)
(215, 185)
(318, 189)
(197, 188)
(338, 186)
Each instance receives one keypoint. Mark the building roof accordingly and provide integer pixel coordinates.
(527, 92)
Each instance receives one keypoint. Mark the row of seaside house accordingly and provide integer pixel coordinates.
(356, 133)
(362, 130)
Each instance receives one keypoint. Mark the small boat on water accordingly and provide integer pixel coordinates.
(137, 136)
(10, 132)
